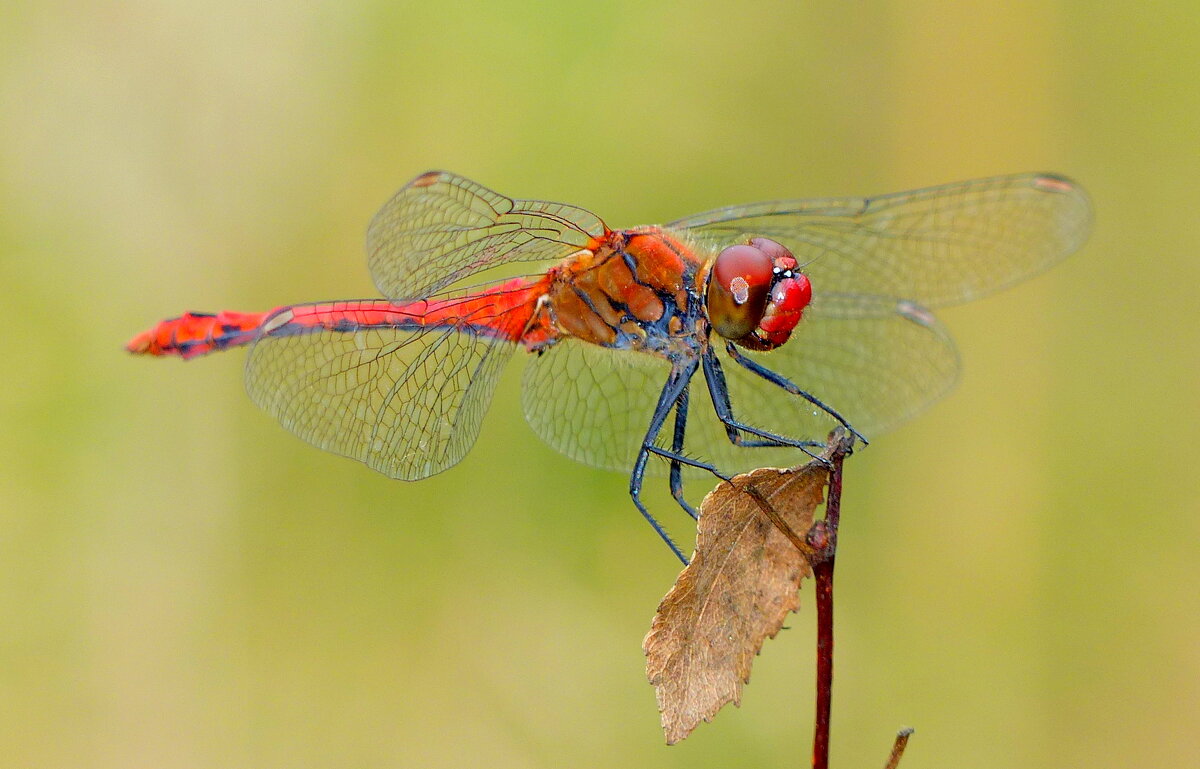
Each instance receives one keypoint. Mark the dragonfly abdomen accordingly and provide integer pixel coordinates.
(198, 333)
(503, 312)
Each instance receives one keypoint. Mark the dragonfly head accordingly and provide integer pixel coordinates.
(756, 294)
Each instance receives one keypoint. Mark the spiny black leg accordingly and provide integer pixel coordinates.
(681, 411)
(787, 385)
(719, 392)
(677, 382)
(686, 460)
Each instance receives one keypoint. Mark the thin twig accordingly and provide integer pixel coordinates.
(823, 572)
(822, 537)
(898, 748)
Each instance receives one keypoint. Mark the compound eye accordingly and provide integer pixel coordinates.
(773, 249)
(738, 289)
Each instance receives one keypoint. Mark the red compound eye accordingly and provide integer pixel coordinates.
(792, 295)
(774, 251)
(738, 290)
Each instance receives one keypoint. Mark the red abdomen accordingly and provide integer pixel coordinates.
(505, 311)
(197, 333)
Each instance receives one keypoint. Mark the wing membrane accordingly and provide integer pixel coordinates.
(407, 403)
(878, 361)
(440, 228)
(593, 403)
(936, 246)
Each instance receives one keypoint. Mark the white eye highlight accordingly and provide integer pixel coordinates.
(740, 289)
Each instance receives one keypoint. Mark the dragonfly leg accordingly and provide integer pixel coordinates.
(737, 431)
(677, 382)
(787, 385)
(676, 478)
(686, 460)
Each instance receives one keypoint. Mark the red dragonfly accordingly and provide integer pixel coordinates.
(801, 314)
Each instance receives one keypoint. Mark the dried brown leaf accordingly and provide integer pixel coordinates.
(743, 580)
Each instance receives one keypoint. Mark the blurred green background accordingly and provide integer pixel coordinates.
(183, 584)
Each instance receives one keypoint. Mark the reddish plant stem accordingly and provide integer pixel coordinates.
(823, 539)
(898, 748)
(824, 589)
(833, 507)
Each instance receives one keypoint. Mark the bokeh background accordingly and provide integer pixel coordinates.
(183, 584)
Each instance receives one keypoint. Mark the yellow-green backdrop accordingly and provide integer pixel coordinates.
(183, 584)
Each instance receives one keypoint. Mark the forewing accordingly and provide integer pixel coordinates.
(936, 246)
(593, 403)
(407, 403)
(440, 228)
(877, 361)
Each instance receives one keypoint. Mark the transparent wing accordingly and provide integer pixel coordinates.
(878, 361)
(936, 246)
(440, 228)
(407, 403)
(593, 403)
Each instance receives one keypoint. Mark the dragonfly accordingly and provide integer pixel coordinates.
(800, 315)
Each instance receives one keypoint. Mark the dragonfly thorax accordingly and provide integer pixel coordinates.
(756, 294)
